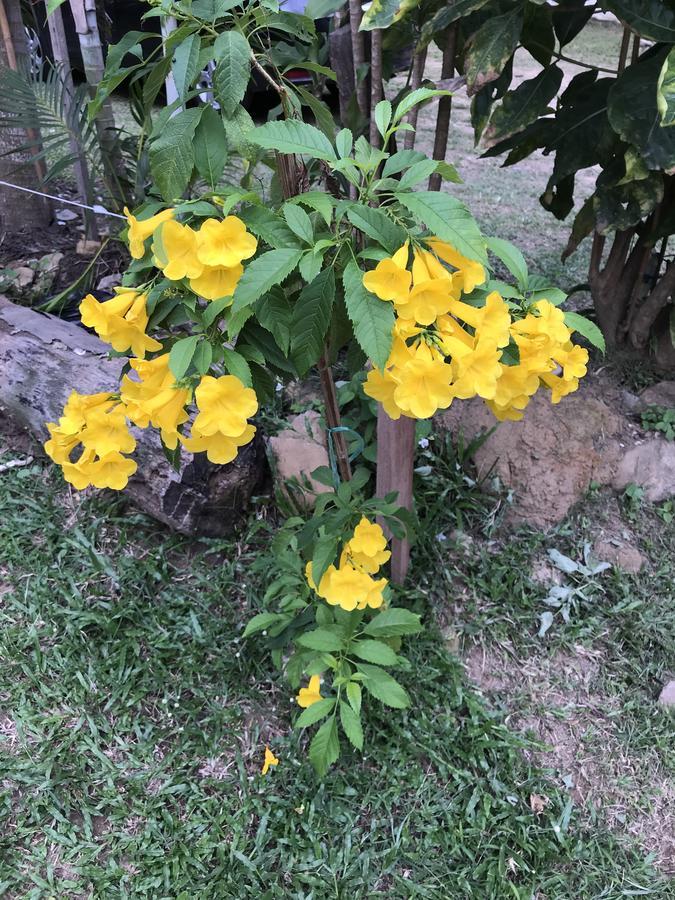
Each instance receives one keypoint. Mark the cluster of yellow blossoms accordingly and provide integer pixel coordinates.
(351, 585)
(445, 349)
(150, 395)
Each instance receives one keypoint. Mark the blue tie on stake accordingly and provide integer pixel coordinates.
(331, 450)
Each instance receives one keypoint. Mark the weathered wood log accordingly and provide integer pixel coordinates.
(43, 358)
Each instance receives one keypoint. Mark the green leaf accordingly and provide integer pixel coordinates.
(652, 19)
(490, 48)
(311, 318)
(261, 622)
(523, 106)
(233, 69)
(354, 696)
(270, 227)
(372, 318)
(665, 97)
(262, 274)
(383, 687)
(392, 623)
(322, 114)
(318, 201)
(185, 65)
(325, 550)
(274, 311)
(377, 225)
(374, 652)
(569, 19)
(512, 258)
(292, 136)
(344, 142)
(210, 147)
(237, 128)
(448, 172)
(351, 725)
(634, 114)
(236, 365)
(315, 712)
(181, 355)
(203, 357)
(325, 747)
(537, 36)
(419, 171)
(414, 98)
(299, 222)
(383, 114)
(448, 219)
(52, 5)
(447, 14)
(319, 9)
(400, 161)
(586, 328)
(172, 156)
(320, 639)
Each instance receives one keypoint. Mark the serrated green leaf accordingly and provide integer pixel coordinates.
(210, 146)
(372, 318)
(299, 222)
(374, 652)
(354, 696)
(383, 114)
(320, 639)
(203, 357)
(449, 220)
(351, 725)
(232, 72)
(292, 136)
(311, 318)
(236, 365)
(315, 712)
(448, 172)
(586, 328)
(270, 227)
(325, 550)
(377, 225)
(325, 747)
(512, 258)
(263, 273)
(274, 311)
(322, 203)
(401, 160)
(344, 142)
(181, 355)
(185, 65)
(238, 126)
(417, 172)
(393, 622)
(261, 622)
(172, 154)
(491, 47)
(384, 687)
(414, 98)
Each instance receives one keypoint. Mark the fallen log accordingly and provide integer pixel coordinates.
(43, 358)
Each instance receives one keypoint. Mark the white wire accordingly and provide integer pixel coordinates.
(99, 210)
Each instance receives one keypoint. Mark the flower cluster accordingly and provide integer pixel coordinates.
(350, 585)
(211, 258)
(445, 348)
(150, 394)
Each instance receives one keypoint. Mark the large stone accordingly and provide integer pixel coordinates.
(661, 394)
(667, 695)
(548, 459)
(621, 554)
(651, 465)
(296, 452)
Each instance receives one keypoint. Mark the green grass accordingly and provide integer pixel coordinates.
(133, 720)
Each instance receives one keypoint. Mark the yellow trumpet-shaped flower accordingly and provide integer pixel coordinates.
(390, 280)
(472, 272)
(573, 359)
(368, 538)
(348, 587)
(216, 282)
(108, 432)
(424, 384)
(224, 406)
(560, 387)
(311, 694)
(477, 372)
(120, 321)
(219, 449)
(175, 251)
(426, 301)
(490, 322)
(270, 760)
(141, 229)
(224, 242)
(382, 387)
(155, 399)
(375, 596)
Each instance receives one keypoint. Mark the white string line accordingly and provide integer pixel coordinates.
(98, 209)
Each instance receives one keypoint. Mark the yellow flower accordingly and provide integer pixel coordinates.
(217, 281)
(389, 281)
(78, 407)
(140, 231)
(560, 387)
(176, 251)
(426, 267)
(155, 399)
(549, 321)
(477, 372)
(224, 242)
(573, 359)
(490, 322)
(219, 448)
(472, 272)
(375, 596)
(112, 471)
(347, 587)
(325, 579)
(424, 384)
(515, 386)
(270, 760)
(120, 321)
(368, 538)
(224, 405)
(426, 301)
(382, 387)
(311, 694)
(60, 445)
(108, 433)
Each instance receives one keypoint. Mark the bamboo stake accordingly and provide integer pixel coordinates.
(375, 82)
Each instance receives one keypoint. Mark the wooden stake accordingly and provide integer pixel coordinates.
(444, 106)
(358, 56)
(395, 454)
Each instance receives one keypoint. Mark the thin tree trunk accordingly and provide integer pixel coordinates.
(359, 56)
(375, 82)
(86, 25)
(419, 61)
(444, 106)
(18, 209)
(57, 34)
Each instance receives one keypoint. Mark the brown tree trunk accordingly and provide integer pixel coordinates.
(358, 56)
(17, 208)
(445, 105)
(419, 61)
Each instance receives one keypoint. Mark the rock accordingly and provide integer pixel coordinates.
(631, 402)
(651, 465)
(305, 392)
(42, 358)
(108, 282)
(661, 394)
(622, 555)
(296, 452)
(87, 248)
(66, 215)
(667, 695)
(49, 263)
(548, 459)
(24, 276)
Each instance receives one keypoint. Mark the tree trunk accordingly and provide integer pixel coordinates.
(17, 209)
(43, 358)
(418, 64)
(358, 57)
